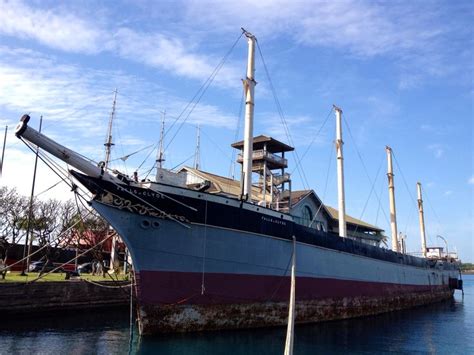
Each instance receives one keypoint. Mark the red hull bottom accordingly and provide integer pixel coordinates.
(175, 302)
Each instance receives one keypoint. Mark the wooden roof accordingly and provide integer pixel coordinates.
(273, 145)
(335, 215)
(221, 184)
(298, 196)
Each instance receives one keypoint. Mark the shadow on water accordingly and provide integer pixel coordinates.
(439, 328)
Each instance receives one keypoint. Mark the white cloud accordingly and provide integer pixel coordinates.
(437, 150)
(448, 193)
(171, 54)
(471, 180)
(18, 173)
(57, 29)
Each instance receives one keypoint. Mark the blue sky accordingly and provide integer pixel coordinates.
(401, 71)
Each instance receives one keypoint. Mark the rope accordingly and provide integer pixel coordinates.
(191, 105)
(415, 204)
(106, 286)
(364, 166)
(130, 343)
(69, 261)
(203, 288)
(236, 136)
(200, 93)
(282, 117)
(432, 210)
(370, 195)
(41, 248)
(325, 185)
(314, 139)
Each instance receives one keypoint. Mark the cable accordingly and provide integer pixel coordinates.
(370, 195)
(197, 97)
(313, 140)
(363, 165)
(282, 117)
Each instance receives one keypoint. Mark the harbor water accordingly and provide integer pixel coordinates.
(442, 328)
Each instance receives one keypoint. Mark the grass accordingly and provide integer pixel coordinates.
(16, 277)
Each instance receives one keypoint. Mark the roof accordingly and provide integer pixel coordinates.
(335, 215)
(273, 145)
(297, 196)
(221, 184)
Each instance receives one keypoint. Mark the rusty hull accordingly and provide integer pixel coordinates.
(187, 318)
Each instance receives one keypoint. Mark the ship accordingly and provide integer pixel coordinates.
(211, 252)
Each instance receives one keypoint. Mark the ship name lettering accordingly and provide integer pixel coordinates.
(273, 220)
(140, 193)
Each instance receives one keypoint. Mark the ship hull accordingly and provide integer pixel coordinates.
(196, 276)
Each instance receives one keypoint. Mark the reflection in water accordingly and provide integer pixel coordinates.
(439, 328)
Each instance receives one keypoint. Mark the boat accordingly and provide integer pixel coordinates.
(211, 252)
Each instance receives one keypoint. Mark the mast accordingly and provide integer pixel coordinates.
(3, 150)
(197, 154)
(340, 175)
(29, 240)
(422, 220)
(249, 86)
(160, 156)
(391, 194)
(108, 144)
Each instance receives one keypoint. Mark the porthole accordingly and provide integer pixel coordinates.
(145, 224)
(156, 224)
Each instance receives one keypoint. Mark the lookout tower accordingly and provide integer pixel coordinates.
(268, 161)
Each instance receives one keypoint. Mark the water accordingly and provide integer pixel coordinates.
(447, 327)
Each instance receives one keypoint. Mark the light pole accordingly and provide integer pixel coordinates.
(445, 242)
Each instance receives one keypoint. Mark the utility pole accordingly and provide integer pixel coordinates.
(340, 175)
(3, 150)
(28, 240)
(391, 194)
(422, 220)
(197, 154)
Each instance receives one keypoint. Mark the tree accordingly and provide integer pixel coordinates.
(13, 211)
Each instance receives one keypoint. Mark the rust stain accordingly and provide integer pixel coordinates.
(187, 318)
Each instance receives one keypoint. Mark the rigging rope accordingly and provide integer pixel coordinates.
(370, 194)
(202, 90)
(331, 151)
(364, 166)
(191, 105)
(282, 117)
(236, 136)
(313, 140)
(414, 201)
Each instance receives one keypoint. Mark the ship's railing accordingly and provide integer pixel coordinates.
(262, 154)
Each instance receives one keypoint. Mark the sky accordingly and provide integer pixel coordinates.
(401, 71)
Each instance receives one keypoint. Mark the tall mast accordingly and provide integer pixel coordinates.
(391, 194)
(3, 150)
(108, 144)
(249, 87)
(197, 154)
(340, 175)
(422, 220)
(160, 156)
